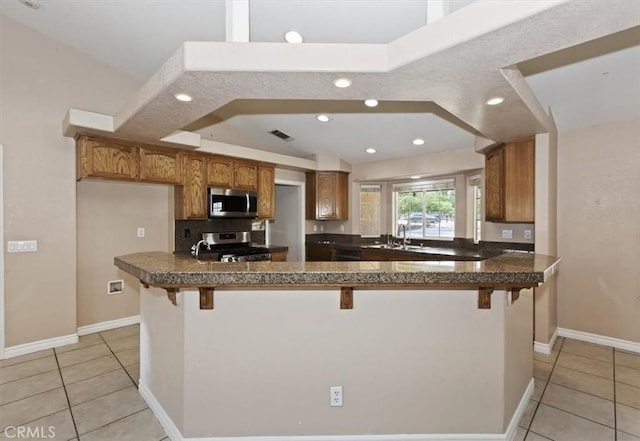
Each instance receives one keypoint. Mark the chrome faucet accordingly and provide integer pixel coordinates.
(403, 227)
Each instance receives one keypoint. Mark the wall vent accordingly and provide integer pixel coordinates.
(281, 135)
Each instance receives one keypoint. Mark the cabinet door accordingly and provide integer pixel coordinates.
(266, 192)
(494, 184)
(317, 253)
(279, 256)
(108, 159)
(191, 197)
(519, 181)
(219, 172)
(245, 176)
(327, 187)
(160, 165)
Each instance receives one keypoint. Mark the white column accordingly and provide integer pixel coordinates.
(237, 20)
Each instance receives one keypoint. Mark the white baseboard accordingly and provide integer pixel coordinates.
(40, 345)
(546, 348)
(111, 324)
(617, 343)
(174, 433)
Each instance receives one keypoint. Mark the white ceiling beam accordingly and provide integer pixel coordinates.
(237, 20)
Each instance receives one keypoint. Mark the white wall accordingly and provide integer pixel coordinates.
(286, 228)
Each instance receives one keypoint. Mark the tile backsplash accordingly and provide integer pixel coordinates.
(189, 232)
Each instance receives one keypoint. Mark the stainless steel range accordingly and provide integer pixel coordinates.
(229, 247)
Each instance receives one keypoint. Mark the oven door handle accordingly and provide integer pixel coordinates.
(248, 205)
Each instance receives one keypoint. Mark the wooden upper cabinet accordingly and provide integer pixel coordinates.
(494, 184)
(191, 196)
(327, 195)
(266, 192)
(219, 172)
(245, 176)
(106, 158)
(510, 182)
(160, 165)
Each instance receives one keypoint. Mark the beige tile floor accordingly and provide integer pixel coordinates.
(87, 391)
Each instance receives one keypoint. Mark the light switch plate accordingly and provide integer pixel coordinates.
(507, 234)
(22, 246)
(527, 234)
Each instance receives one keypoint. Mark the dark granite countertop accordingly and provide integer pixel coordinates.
(174, 270)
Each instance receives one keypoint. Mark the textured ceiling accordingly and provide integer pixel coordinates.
(448, 68)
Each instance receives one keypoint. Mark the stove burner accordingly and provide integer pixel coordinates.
(229, 247)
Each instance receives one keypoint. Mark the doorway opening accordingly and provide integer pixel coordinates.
(287, 228)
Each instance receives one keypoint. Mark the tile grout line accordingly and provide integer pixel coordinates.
(118, 360)
(544, 389)
(31, 376)
(35, 395)
(115, 421)
(66, 394)
(25, 361)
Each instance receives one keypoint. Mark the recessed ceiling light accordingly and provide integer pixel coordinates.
(342, 83)
(293, 37)
(416, 177)
(370, 150)
(322, 118)
(495, 101)
(371, 103)
(32, 4)
(183, 97)
(418, 141)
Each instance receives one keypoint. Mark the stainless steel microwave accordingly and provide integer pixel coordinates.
(232, 203)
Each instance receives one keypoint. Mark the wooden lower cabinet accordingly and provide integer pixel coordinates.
(106, 158)
(266, 193)
(279, 256)
(373, 254)
(318, 253)
(191, 196)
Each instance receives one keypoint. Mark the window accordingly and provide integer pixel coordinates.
(476, 191)
(369, 210)
(426, 209)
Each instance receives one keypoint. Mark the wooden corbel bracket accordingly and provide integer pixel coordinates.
(346, 297)
(484, 298)
(515, 294)
(171, 293)
(206, 298)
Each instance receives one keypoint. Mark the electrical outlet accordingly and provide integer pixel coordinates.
(342, 228)
(527, 234)
(321, 227)
(140, 231)
(315, 228)
(115, 287)
(507, 234)
(336, 396)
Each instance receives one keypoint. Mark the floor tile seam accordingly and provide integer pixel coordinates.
(544, 389)
(66, 394)
(120, 363)
(98, 398)
(29, 376)
(119, 338)
(582, 391)
(588, 373)
(533, 431)
(580, 416)
(2, 429)
(628, 433)
(628, 367)
(114, 421)
(76, 349)
(25, 361)
(627, 384)
(89, 378)
(586, 356)
(135, 382)
(61, 386)
(628, 405)
(88, 359)
(588, 343)
(103, 395)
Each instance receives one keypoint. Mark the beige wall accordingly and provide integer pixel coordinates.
(380, 353)
(40, 80)
(599, 230)
(108, 216)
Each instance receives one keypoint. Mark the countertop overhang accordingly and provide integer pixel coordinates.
(167, 270)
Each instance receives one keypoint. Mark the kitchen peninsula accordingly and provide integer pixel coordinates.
(419, 348)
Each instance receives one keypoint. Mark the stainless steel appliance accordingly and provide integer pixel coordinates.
(229, 247)
(232, 203)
